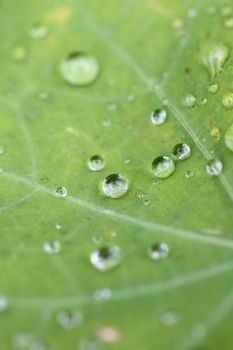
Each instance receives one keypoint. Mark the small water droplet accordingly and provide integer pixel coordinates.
(169, 318)
(228, 22)
(163, 166)
(1, 150)
(108, 334)
(213, 56)
(189, 174)
(38, 31)
(204, 101)
(146, 202)
(159, 251)
(69, 320)
(115, 186)
(107, 123)
(213, 88)
(112, 106)
(181, 151)
(52, 247)
(106, 258)
(22, 340)
(58, 226)
(130, 97)
(214, 167)
(229, 138)
(140, 194)
(158, 116)
(19, 53)
(80, 69)
(3, 303)
(215, 133)
(61, 192)
(227, 100)
(190, 101)
(96, 163)
(198, 332)
(192, 13)
(104, 293)
(127, 161)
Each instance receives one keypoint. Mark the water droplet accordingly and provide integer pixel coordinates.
(215, 133)
(130, 98)
(192, 13)
(169, 318)
(96, 163)
(107, 123)
(19, 53)
(213, 56)
(106, 258)
(3, 303)
(146, 202)
(127, 161)
(214, 167)
(38, 31)
(61, 192)
(80, 69)
(58, 226)
(181, 151)
(1, 150)
(159, 251)
(190, 101)
(69, 320)
(52, 247)
(163, 166)
(189, 174)
(227, 100)
(104, 293)
(228, 22)
(213, 88)
(22, 340)
(158, 116)
(198, 331)
(108, 334)
(229, 138)
(140, 194)
(204, 101)
(112, 106)
(115, 186)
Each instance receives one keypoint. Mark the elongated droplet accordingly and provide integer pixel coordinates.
(96, 163)
(213, 56)
(106, 258)
(61, 192)
(227, 100)
(159, 251)
(115, 186)
(80, 69)
(229, 138)
(181, 151)
(214, 167)
(52, 247)
(163, 166)
(158, 116)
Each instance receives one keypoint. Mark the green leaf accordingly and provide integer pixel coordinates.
(150, 56)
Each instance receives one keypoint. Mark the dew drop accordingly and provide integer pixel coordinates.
(58, 226)
(52, 247)
(189, 174)
(213, 88)
(229, 138)
(19, 53)
(115, 186)
(3, 303)
(163, 166)
(190, 101)
(213, 56)
(96, 163)
(228, 22)
(204, 101)
(159, 251)
(181, 151)
(80, 69)
(107, 123)
(227, 100)
(214, 167)
(127, 161)
(140, 194)
(38, 31)
(215, 133)
(108, 334)
(106, 258)
(158, 116)
(69, 320)
(169, 318)
(104, 293)
(61, 192)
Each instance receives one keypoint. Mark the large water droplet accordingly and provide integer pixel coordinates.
(80, 69)
(229, 138)
(158, 116)
(38, 31)
(61, 192)
(213, 56)
(213, 88)
(159, 251)
(227, 100)
(181, 151)
(106, 258)
(52, 247)
(214, 167)
(163, 166)
(190, 101)
(69, 320)
(115, 186)
(96, 163)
